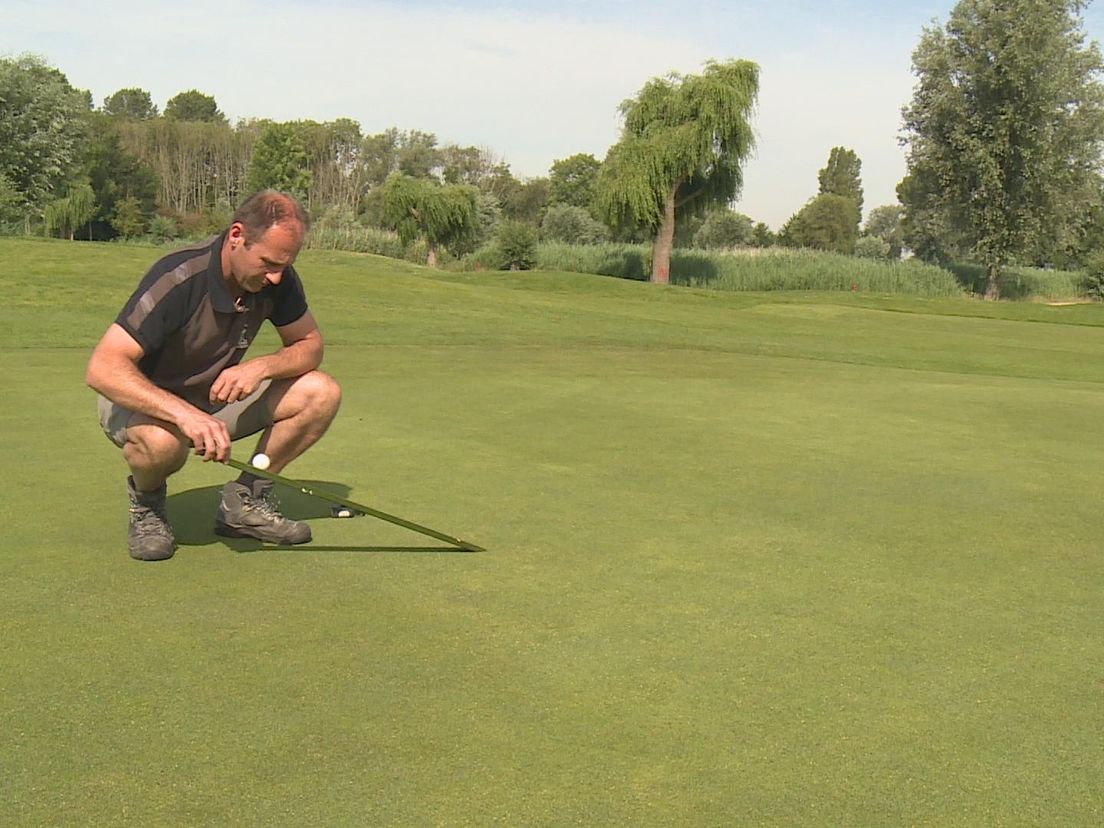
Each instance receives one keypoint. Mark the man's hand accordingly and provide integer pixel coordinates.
(237, 382)
(208, 435)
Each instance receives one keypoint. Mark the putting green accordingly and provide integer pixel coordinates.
(774, 559)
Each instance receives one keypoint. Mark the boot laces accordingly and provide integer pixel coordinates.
(265, 504)
(148, 520)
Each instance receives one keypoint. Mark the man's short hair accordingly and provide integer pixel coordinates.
(266, 209)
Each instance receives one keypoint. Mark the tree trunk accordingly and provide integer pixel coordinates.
(664, 241)
(431, 256)
(992, 285)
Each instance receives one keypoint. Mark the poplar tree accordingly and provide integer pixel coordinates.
(682, 146)
(1004, 132)
(842, 177)
(279, 161)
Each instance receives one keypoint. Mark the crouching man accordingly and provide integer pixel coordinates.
(171, 378)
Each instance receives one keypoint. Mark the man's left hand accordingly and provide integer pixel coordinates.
(237, 382)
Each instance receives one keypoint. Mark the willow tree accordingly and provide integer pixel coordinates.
(420, 208)
(683, 143)
(64, 215)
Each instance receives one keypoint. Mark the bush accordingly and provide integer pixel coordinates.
(1092, 282)
(163, 229)
(724, 229)
(566, 223)
(517, 242)
(127, 219)
(871, 247)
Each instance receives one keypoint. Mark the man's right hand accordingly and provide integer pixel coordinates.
(208, 435)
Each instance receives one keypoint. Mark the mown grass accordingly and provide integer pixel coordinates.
(753, 558)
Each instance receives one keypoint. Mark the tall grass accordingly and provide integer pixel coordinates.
(755, 270)
(787, 269)
(359, 239)
(625, 261)
(1025, 282)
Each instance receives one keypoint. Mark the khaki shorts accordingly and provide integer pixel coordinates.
(242, 418)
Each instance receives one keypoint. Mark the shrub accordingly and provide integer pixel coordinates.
(518, 243)
(127, 219)
(1092, 282)
(871, 247)
(724, 229)
(567, 223)
(163, 229)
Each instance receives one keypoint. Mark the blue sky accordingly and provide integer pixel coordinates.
(532, 81)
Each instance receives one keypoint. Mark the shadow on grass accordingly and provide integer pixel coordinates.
(192, 514)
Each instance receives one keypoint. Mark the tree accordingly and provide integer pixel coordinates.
(683, 143)
(574, 225)
(193, 105)
(10, 202)
(527, 201)
(762, 236)
(114, 174)
(872, 247)
(841, 177)
(573, 181)
(42, 124)
(1004, 131)
(420, 208)
(825, 223)
(722, 229)
(417, 154)
(279, 162)
(127, 218)
(64, 215)
(885, 223)
(197, 164)
(133, 104)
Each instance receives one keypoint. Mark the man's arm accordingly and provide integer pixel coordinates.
(113, 371)
(302, 353)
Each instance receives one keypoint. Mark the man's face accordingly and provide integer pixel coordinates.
(262, 262)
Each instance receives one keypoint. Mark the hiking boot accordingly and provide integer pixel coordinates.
(150, 537)
(246, 513)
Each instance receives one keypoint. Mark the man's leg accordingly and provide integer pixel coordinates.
(302, 409)
(299, 410)
(153, 452)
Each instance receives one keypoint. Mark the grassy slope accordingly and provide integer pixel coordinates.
(752, 558)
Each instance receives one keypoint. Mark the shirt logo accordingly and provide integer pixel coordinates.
(243, 340)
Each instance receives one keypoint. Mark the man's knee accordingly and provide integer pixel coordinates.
(155, 445)
(325, 391)
(319, 394)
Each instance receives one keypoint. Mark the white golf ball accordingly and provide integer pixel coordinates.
(260, 461)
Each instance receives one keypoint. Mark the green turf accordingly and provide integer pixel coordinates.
(784, 559)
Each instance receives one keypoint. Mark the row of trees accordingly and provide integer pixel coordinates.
(127, 169)
(1004, 137)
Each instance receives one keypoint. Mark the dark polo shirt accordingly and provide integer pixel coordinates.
(186, 321)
